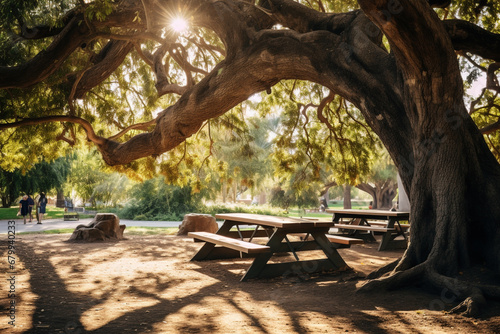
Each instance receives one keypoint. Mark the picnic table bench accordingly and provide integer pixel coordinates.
(363, 225)
(337, 241)
(71, 216)
(364, 228)
(239, 245)
(228, 243)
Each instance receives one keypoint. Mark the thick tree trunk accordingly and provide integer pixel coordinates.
(347, 197)
(386, 193)
(452, 179)
(382, 193)
(6, 202)
(60, 202)
(224, 191)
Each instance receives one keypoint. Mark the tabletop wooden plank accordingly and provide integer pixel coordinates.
(352, 213)
(272, 221)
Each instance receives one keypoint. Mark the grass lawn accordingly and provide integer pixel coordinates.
(8, 213)
(51, 213)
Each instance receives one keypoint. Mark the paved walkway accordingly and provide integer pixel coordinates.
(54, 224)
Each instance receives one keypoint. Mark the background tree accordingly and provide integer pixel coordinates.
(85, 175)
(112, 190)
(43, 176)
(244, 151)
(381, 183)
(395, 61)
(322, 140)
(9, 187)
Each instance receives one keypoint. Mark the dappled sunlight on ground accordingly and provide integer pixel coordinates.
(23, 295)
(148, 284)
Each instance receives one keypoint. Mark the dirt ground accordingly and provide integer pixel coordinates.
(147, 284)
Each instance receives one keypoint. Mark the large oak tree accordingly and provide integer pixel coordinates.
(395, 60)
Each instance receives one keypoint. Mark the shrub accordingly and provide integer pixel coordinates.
(155, 200)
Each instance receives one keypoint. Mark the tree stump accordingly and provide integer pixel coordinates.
(105, 226)
(197, 222)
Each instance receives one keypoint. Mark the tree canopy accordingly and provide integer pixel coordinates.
(139, 87)
(42, 177)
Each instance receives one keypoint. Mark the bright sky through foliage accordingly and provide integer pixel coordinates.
(179, 24)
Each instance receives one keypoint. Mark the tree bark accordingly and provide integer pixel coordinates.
(6, 202)
(60, 202)
(452, 179)
(347, 197)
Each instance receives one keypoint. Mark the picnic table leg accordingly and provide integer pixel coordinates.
(261, 260)
(332, 254)
(205, 251)
(388, 241)
(367, 237)
(387, 237)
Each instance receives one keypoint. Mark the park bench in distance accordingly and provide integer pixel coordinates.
(71, 216)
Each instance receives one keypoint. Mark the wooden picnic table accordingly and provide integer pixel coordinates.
(360, 225)
(232, 244)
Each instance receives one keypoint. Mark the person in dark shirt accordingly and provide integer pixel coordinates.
(42, 203)
(24, 207)
(31, 202)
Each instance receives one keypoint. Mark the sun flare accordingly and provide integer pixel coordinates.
(179, 24)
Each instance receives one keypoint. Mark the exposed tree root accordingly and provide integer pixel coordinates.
(451, 290)
(471, 306)
(383, 270)
(396, 279)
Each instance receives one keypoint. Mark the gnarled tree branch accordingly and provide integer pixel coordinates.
(91, 135)
(139, 126)
(468, 37)
(106, 62)
(48, 61)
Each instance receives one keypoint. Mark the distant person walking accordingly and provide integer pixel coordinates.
(31, 202)
(42, 203)
(24, 207)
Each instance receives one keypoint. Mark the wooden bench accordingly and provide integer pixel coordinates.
(364, 228)
(336, 239)
(364, 232)
(239, 245)
(71, 216)
(403, 226)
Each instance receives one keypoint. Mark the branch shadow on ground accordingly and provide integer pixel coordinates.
(59, 309)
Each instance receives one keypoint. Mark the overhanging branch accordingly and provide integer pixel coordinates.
(468, 37)
(139, 126)
(106, 62)
(91, 135)
(48, 61)
(490, 128)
